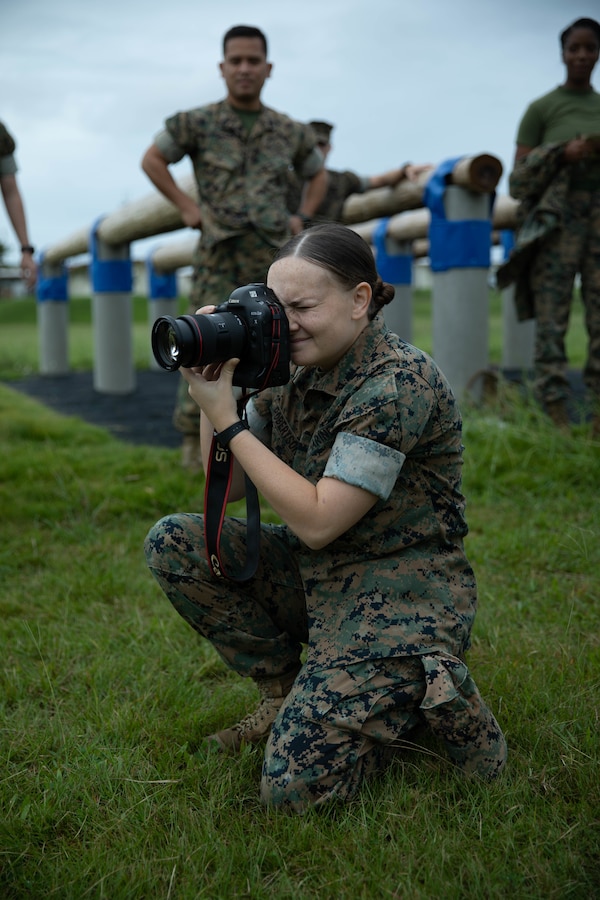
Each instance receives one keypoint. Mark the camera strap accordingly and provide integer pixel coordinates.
(216, 495)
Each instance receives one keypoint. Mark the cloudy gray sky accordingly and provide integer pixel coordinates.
(85, 85)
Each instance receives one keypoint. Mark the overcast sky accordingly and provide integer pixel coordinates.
(86, 85)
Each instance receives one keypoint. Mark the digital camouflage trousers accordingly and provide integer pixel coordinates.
(572, 249)
(338, 724)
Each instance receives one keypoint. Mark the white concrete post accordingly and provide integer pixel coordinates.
(53, 318)
(114, 371)
(518, 338)
(460, 236)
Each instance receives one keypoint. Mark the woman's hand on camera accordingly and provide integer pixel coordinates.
(212, 389)
(210, 372)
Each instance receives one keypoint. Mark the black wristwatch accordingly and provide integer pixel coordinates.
(223, 437)
(27, 248)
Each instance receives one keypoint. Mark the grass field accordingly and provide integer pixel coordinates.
(103, 687)
(19, 347)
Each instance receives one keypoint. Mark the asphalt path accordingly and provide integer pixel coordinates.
(144, 416)
(141, 417)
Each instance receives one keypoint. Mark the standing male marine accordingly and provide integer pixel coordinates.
(242, 153)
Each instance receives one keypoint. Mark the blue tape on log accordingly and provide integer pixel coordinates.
(462, 244)
(160, 286)
(395, 268)
(109, 276)
(112, 276)
(459, 245)
(55, 287)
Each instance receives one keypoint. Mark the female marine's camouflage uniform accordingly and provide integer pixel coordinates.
(386, 610)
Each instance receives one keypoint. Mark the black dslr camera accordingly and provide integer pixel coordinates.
(251, 326)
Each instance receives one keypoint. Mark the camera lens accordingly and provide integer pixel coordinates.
(173, 342)
(197, 340)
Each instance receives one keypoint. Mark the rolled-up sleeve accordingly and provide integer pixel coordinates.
(8, 165)
(364, 463)
(169, 148)
(312, 164)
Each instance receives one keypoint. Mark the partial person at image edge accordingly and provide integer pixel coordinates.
(15, 208)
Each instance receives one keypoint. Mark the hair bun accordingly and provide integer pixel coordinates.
(383, 293)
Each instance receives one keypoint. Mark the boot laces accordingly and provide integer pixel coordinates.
(263, 715)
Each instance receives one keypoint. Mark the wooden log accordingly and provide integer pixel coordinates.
(412, 226)
(505, 212)
(73, 245)
(480, 174)
(154, 215)
(477, 173)
(139, 219)
(420, 248)
(151, 215)
(404, 227)
(381, 202)
(174, 256)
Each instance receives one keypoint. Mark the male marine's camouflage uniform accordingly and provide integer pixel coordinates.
(339, 187)
(242, 180)
(386, 609)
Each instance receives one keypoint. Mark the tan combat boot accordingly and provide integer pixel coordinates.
(255, 727)
(557, 410)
